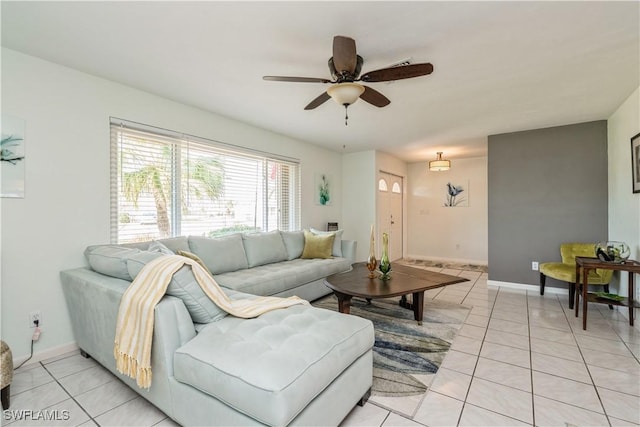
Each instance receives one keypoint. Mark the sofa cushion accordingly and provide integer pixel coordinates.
(271, 367)
(337, 242)
(220, 255)
(271, 279)
(294, 242)
(156, 246)
(183, 285)
(317, 246)
(139, 260)
(110, 260)
(175, 244)
(264, 248)
(194, 257)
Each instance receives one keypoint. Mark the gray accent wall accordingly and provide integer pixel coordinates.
(546, 187)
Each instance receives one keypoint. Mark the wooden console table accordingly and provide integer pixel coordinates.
(587, 264)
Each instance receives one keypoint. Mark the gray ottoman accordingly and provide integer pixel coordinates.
(270, 368)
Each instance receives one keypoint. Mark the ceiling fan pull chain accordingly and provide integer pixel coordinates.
(346, 114)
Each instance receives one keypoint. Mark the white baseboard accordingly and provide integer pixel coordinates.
(526, 287)
(47, 354)
(624, 311)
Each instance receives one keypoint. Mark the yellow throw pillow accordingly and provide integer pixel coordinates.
(194, 257)
(317, 246)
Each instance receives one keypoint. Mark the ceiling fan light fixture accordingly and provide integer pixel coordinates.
(439, 164)
(345, 93)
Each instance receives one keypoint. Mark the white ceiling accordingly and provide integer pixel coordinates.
(499, 66)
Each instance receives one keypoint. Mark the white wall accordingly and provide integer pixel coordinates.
(624, 206)
(359, 198)
(66, 206)
(359, 189)
(387, 163)
(457, 234)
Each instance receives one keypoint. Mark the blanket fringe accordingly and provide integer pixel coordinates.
(128, 365)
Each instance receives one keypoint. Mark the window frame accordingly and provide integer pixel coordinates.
(284, 171)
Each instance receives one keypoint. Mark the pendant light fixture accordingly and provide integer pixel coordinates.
(439, 164)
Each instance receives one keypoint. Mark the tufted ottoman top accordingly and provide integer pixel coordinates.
(272, 366)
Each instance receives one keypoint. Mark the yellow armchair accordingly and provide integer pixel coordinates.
(565, 271)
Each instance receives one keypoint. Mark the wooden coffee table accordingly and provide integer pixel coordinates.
(405, 280)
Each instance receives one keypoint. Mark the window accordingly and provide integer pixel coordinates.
(166, 184)
(382, 185)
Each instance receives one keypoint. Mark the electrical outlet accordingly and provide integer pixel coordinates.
(534, 265)
(33, 316)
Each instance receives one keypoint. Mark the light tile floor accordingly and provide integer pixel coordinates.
(519, 359)
(523, 359)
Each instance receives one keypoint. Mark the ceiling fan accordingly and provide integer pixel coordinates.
(345, 66)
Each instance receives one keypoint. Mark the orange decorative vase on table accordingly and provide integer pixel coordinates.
(372, 262)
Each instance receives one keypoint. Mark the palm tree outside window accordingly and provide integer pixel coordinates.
(166, 184)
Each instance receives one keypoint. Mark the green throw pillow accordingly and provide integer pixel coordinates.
(317, 246)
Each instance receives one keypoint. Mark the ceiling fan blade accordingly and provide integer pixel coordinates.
(344, 54)
(324, 97)
(397, 73)
(296, 79)
(374, 97)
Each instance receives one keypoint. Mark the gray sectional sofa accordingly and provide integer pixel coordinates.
(296, 366)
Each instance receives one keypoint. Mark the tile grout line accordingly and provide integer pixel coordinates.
(69, 394)
(586, 365)
(574, 339)
(412, 418)
(466, 396)
(76, 401)
(593, 381)
(424, 396)
(533, 400)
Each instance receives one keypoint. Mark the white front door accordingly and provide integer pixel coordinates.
(390, 191)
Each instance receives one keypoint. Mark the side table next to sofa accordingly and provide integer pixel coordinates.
(587, 264)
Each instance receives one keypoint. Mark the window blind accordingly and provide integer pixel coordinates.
(166, 184)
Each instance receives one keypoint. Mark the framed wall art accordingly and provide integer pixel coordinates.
(635, 163)
(12, 157)
(323, 189)
(456, 195)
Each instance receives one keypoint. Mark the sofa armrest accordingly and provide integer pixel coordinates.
(93, 300)
(349, 250)
(173, 328)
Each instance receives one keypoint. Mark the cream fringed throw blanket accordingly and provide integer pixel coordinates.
(134, 329)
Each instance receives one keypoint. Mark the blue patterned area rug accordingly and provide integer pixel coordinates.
(443, 264)
(406, 355)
